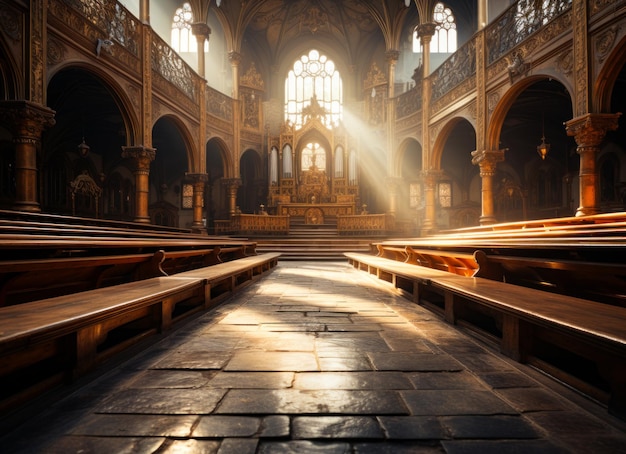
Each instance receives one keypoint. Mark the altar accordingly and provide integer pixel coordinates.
(316, 213)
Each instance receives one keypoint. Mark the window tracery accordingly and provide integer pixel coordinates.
(313, 89)
(444, 40)
(182, 38)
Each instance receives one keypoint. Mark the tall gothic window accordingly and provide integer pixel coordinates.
(182, 39)
(313, 88)
(444, 41)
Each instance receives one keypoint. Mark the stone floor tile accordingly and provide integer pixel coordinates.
(257, 380)
(172, 379)
(411, 345)
(238, 446)
(568, 423)
(344, 363)
(190, 446)
(455, 402)
(193, 360)
(485, 427)
(291, 401)
(217, 426)
(412, 427)
(412, 447)
(275, 426)
(336, 427)
(508, 379)
(352, 380)
(483, 362)
(272, 361)
(589, 442)
(95, 445)
(414, 362)
(293, 327)
(162, 401)
(353, 327)
(501, 447)
(445, 380)
(103, 425)
(532, 399)
(302, 447)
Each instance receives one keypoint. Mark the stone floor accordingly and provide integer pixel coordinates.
(319, 357)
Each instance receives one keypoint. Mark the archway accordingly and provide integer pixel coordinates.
(215, 195)
(253, 190)
(457, 201)
(171, 196)
(527, 185)
(410, 193)
(86, 142)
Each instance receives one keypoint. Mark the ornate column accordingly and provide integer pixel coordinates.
(430, 178)
(201, 31)
(235, 60)
(27, 120)
(141, 157)
(199, 181)
(589, 131)
(425, 33)
(392, 186)
(232, 184)
(487, 161)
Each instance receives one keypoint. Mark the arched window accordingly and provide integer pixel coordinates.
(444, 41)
(182, 38)
(313, 88)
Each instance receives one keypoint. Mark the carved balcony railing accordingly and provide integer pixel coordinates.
(111, 18)
(409, 102)
(167, 63)
(219, 105)
(518, 22)
(459, 67)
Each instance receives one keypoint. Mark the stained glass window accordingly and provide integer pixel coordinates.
(313, 88)
(445, 39)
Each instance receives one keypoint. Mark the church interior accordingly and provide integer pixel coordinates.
(463, 161)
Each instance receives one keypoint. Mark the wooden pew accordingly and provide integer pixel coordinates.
(47, 342)
(578, 341)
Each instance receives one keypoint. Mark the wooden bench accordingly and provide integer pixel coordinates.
(27, 280)
(47, 342)
(221, 280)
(578, 341)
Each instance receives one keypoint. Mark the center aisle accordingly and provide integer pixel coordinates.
(319, 357)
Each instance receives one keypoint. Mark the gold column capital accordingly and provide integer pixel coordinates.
(589, 130)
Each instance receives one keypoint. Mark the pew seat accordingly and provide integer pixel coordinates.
(578, 341)
(51, 341)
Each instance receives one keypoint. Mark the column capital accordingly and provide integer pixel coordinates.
(142, 156)
(426, 31)
(234, 57)
(589, 129)
(431, 177)
(198, 177)
(487, 160)
(392, 56)
(201, 29)
(27, 119)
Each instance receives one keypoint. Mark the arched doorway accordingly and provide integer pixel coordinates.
(171, 196)
(85, 146)
(253, 190)
(528, 185)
